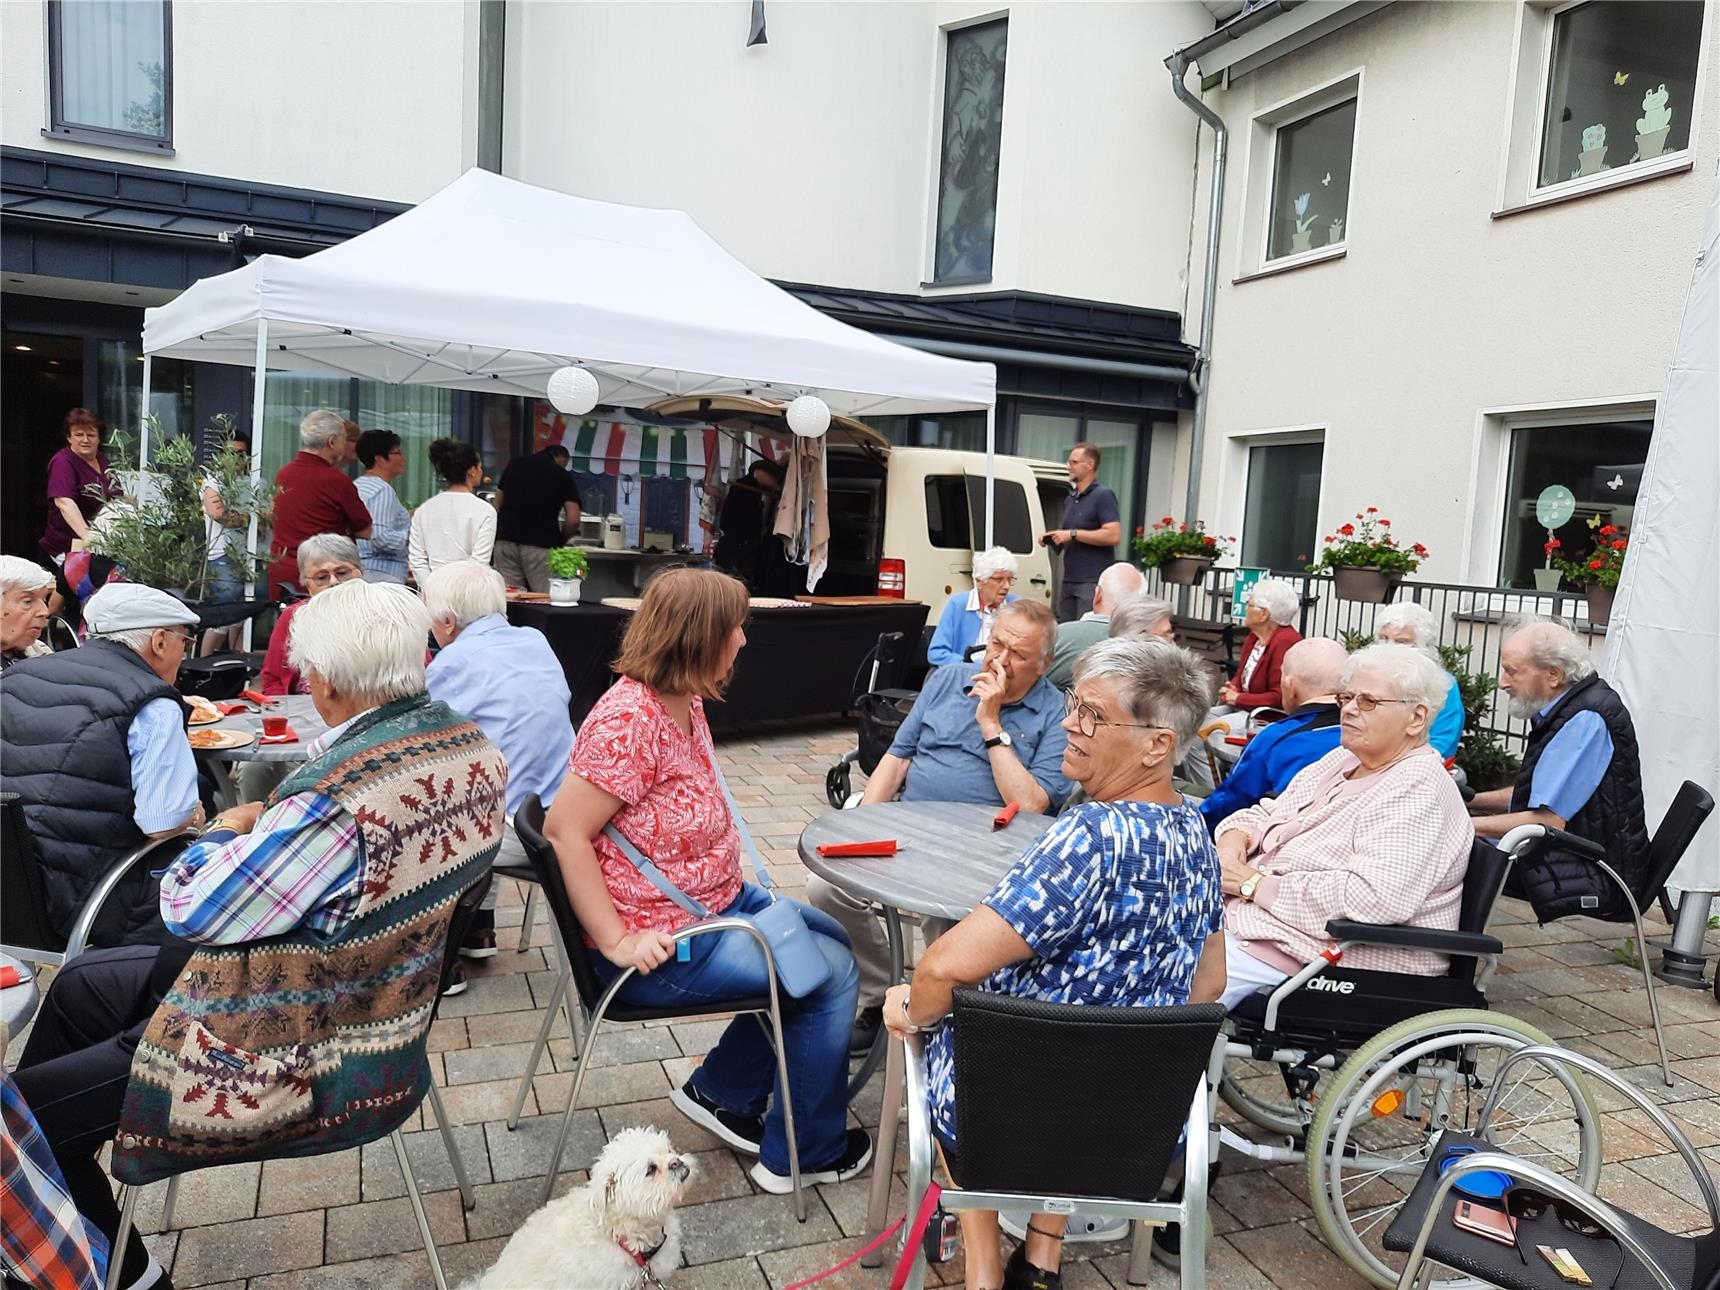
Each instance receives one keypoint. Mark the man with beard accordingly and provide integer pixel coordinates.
(1580, 771)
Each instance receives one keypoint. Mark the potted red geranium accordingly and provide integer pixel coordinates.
(1366, 561)
(1182, 553)
(1548, 576)
(1598, 572)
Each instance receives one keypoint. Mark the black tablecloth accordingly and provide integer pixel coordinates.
(797, 662)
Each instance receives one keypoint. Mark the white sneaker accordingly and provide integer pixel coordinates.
(853, 1162)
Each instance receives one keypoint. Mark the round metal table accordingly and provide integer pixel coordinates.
(302, 718)
(17, 1002)
(948, 858)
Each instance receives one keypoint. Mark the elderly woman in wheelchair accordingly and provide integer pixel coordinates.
(1118, 904)
(1366, 861)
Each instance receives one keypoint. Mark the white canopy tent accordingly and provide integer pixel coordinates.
(1665, 631)
(492, 284)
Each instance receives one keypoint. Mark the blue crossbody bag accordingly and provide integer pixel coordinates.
(800, 966)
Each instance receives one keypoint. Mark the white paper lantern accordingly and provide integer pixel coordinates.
(573, 390)
(809, 416)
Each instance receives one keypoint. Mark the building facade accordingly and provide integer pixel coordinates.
(1456, 244)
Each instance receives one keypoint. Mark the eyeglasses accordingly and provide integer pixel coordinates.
(330, 577)
(1525, 1205)
(1007, 579)
(1364, 702)
(1088, 721)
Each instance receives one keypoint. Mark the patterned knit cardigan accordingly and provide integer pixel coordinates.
(303, 1044)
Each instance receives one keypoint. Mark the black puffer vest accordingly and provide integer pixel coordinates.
(1562, 883)
(63, 723)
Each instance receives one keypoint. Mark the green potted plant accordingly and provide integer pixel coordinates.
(1597, 573)
(1366, 561)
(567, 566)
(1182, 553)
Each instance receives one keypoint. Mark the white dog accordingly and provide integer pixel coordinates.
(618, 1232)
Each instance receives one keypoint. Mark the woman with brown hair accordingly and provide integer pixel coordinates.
(644, 764)
(79, 484)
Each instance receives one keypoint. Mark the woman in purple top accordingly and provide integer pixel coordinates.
(71, 473)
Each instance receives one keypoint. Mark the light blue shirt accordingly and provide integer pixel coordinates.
(958, 628)
(509, 681)
(950, 763)
(1447, 729)
(383, 553)
(1571, 765)
(163, 771)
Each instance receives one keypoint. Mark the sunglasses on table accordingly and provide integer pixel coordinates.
(1526, 1205)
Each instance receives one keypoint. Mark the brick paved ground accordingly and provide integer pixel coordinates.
(341, 1222)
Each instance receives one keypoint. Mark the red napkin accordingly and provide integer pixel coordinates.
(287, 736)
(835, 850)
(9, 976)
(231, 708)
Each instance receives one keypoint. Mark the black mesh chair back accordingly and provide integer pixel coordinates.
(24, 910)
(1690, 809)
(459, 924)
(1065, 1099)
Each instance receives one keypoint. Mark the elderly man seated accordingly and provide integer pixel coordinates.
(93, 742)
(1117, 583)
(990, 732)
(1414, 625)
(1083, 916)
(1373, 831)
(341, 889)
(1581, 772)
(24, 590)
(508, 681)
(1309, 731)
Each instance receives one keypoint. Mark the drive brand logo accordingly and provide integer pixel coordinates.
(1329, 986)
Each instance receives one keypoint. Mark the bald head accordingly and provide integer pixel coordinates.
(1311, 671)
(1120, 580)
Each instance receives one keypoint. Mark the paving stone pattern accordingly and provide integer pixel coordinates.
(342, 1221)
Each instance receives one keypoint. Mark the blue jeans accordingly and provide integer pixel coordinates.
(740, 1072)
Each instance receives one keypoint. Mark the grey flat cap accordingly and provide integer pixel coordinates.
(127, 606)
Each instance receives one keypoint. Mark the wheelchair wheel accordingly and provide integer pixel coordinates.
(1380, 1115)
(838, 784)
(1256, 1092)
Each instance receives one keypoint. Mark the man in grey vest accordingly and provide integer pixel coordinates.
(93, 742)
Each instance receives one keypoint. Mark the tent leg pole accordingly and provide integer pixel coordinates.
(259, 385)
(143, 419)
(990, 473)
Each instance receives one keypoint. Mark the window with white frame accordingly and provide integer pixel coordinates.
(110, 72)
(1311, 181)
(1600, 464)
(1282, 514)
(1620, 86)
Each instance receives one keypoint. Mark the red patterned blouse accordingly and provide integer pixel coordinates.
(630, 747)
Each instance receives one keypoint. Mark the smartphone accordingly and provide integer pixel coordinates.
(1483, 1220)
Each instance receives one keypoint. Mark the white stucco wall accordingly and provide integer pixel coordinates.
(367, 98)
(814, 158)
(1438, 311)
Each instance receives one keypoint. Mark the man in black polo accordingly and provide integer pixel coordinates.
(540, 502)
(1093, 527)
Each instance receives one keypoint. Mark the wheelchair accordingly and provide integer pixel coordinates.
(1355, 1074)
(880, 703)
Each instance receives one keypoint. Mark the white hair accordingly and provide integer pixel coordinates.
(320, 548)
(1413, 676)
(366, 639)
(1161, 684)
(19, 574)
(464, 591)
(320, 428)
(1138, 615)
(1418, 618)
(135, 639)
(993, 561)
(1278, 598)
(1552, 643)
(1119, 580)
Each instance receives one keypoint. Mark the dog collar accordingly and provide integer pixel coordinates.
(644, 1258)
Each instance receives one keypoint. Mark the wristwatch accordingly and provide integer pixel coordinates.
(1246, 890)
(1000, 740)
(907, 1018)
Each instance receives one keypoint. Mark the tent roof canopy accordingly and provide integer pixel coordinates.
(493, 284)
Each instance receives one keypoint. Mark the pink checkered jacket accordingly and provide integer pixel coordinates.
(1391, 848)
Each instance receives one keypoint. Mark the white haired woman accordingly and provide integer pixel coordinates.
(325, 560)
(968, 616)
(1142, 615)
(1271, 605)
(1117, 904)
(1374, 831)
(24, 590)
(1414, 625)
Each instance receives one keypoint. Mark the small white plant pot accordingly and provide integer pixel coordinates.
(1591, 162)
(564, 591)
(1547, 579)
(1652, 144)
(1302, 241)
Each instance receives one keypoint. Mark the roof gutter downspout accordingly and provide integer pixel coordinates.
(1178, 63)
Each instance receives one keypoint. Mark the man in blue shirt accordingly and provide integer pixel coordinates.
(1092, 527)
(989, 731)
(1310, 731)
(509, 682)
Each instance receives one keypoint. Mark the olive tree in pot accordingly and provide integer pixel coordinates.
(567, 566)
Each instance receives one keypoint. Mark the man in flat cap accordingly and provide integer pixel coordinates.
(93, 742)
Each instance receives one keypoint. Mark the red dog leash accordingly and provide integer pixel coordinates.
(910, 1246)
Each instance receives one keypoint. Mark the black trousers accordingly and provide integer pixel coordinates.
(76, 1066)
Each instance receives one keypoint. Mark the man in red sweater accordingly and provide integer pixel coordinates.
(316, 496)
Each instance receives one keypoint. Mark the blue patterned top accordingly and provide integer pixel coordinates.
(1116, 901)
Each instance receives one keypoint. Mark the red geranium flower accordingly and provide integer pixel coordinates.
(1619, 544)
(1551, 545)
(1374, 510)
(1169, 519)
(1595, 564)
(1139, 530)
(1328, 538)
(1385, 524)
(1607, 530)
(1348, 530)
